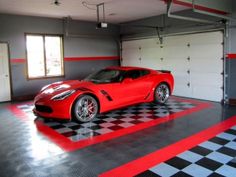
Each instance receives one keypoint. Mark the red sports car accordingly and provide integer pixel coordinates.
(105, 90)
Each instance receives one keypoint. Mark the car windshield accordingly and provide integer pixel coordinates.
(105, 76)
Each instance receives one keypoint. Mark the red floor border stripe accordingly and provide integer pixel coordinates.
(144, 163)
(68, 145)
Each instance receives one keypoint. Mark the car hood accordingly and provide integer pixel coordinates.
(62, 86)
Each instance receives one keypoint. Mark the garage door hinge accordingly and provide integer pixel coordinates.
(222, 43)
(188, 44)
(139, 48)
(161, 59)
(188, 58)
(188, 84)
(188, 71)
(222, 87)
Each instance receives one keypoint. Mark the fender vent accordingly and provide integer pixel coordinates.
(106, 95)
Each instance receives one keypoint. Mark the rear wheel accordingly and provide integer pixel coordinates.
(85, 108)
(162, 93)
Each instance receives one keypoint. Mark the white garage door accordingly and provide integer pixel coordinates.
(194, 59)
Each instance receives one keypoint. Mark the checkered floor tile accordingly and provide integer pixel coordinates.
(112, 121)
(215, 157)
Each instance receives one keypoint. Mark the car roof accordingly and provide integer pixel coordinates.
(126, 68)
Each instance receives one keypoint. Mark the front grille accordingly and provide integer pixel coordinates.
(41, 108)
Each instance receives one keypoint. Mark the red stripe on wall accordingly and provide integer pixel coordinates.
(231, 56)
(18, 60)
(144, 163)
(92, 58)
(22, 60)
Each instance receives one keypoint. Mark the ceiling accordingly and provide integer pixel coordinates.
(116, 11)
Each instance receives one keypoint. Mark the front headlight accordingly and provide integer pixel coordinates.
(63, 95)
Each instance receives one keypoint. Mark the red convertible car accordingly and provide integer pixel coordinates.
(105, 90)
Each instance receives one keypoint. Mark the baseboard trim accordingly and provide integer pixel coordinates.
(23, 98)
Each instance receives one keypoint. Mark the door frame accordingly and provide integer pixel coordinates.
(9, 67)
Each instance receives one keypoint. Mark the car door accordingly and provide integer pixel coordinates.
(139, 84)
(134, 88)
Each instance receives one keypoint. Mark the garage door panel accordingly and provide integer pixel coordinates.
(175, 52)
(208, 67)
(130, 57)
(207, 93)
(149, 43)
(210, 52)
(151, 57)
(205, 79)
(130, 44)
(205, 38)
(179, 66)
(182, 90)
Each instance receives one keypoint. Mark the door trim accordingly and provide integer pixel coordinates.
(9, 68)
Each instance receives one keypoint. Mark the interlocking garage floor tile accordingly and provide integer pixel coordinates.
(214, 157)
(112, 121)
(26, 152)
(73, 135)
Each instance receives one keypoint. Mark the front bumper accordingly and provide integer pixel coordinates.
(46, 108)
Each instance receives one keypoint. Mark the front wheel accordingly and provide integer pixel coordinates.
(85, 108)
(161, 93)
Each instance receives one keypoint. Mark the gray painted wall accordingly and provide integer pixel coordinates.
(232, 62)
(82, 44)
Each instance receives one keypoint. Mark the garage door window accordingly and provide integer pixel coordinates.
(44, 56)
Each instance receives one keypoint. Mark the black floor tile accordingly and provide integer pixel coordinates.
(231, 131)
(232, 163)
(209, 164)
(147, 174)
(218, 140)
(215, 175)
(201, 150)
(227, 151)
(178, 163)
(181, 174)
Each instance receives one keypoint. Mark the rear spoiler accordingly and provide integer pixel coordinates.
(164, 71)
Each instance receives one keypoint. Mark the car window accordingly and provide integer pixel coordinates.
(105, 76)
(134, 74)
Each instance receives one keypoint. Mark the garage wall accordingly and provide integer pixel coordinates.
(83, 52)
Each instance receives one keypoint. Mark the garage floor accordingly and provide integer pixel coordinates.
(184, 138)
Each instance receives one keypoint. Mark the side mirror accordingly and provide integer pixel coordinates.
(127, 80)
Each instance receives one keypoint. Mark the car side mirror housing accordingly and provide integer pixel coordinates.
(127, 80)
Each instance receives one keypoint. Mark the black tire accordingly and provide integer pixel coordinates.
(161, 93)
(85, 108)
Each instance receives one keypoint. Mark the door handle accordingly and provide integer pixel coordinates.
(6, 75)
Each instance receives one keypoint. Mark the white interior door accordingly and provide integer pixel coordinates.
(194, 60)
(5, 89)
